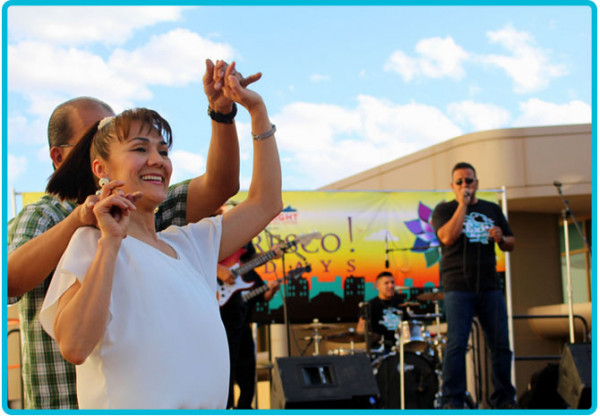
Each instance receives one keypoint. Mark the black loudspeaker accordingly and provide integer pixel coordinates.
(324, 382)
(541, 393)
(575, 375)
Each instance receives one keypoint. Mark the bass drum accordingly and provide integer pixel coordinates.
(420, 382)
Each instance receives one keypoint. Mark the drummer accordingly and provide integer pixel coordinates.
(386, 312)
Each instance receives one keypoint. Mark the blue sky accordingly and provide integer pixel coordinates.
(349, 87)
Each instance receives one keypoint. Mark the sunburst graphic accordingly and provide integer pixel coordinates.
(426, 241)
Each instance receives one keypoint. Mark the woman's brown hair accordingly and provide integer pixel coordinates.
(74, 179)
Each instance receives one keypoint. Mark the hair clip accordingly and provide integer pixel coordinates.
(105, 121)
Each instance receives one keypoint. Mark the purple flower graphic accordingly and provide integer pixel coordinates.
(426, 241)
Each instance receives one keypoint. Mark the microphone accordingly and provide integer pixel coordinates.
(557, 184)
(387, 261)
(467, 196)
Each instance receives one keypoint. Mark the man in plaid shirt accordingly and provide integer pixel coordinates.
(41, 232)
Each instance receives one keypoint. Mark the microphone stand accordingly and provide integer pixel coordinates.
(401, 330)
(566, 213)
(286, 319)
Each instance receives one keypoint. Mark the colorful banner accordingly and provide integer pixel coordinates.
(30, 197)
(362, 233)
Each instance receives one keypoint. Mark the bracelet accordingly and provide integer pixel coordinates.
(269, 133)
(223, 118)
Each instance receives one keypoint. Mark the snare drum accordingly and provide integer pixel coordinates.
(420, 381)
(416, 338)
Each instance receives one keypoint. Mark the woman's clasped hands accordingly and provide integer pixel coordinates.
(113, 208)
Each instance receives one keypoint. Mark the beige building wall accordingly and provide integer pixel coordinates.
(526, 161)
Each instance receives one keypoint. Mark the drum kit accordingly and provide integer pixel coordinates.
(419, 351)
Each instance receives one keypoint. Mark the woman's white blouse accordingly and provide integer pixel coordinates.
(164, 346)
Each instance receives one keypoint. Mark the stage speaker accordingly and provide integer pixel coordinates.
(324, 382)
(541, 393)
(575, 374)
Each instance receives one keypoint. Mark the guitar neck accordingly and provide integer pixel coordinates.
(255, 292)
(295, 274)
(255, 262)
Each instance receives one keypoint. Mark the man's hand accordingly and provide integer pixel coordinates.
(85, 211)
(496, 234)
(464, 197)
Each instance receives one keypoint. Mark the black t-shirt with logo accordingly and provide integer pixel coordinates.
(469, 264)
(385, 317)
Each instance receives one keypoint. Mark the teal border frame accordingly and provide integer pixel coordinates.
(594, 28)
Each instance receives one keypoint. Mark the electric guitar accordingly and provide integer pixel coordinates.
(292, 275)
(225, 291)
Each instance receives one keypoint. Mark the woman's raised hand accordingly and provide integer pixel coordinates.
(214, 79)
(236, 91)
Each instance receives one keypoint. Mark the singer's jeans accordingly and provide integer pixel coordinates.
(490, 308)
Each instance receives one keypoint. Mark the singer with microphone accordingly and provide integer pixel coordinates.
(469, 229)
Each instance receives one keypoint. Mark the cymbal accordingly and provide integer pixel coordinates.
(409, 303)
(351, 336)
(432, 296)
(316, 325)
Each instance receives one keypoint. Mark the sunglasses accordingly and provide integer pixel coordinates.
(66, 145)
(468, 181)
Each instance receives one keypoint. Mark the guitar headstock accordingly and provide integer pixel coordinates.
(307, 238)
(298, 272)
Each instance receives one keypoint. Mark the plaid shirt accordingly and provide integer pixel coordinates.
(49, 380)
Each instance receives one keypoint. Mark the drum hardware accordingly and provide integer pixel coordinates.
(438, 346)
(351, 336)
(409, 304)
(422, 388)
(431, 296)
(315, 326)
(420, 385)
(347, 351)
(402, 328)
(425, 316)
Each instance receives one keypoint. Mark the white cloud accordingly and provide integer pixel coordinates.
(479, 116)
(319, 78)
(535, 112)
(186, 165)
(67, 73)
(327, 142)
(436, 58)
(528, 64)
(15, 167)
(78, 25)
(173, 58)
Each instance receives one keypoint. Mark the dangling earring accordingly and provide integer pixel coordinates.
(102, 182)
